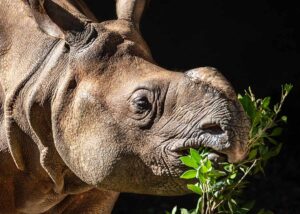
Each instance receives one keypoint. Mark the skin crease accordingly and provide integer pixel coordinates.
(86, 113)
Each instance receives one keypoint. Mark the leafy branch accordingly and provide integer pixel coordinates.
(219, 185)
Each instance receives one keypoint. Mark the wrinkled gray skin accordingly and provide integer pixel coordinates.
(85, 113)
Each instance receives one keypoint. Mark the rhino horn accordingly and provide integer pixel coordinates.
(57, 21)
(131, 10)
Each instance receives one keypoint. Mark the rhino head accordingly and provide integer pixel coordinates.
(119, 121)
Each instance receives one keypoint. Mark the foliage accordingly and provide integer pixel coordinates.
(219, 185)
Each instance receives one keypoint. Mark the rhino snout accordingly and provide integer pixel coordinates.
(222, 124)
(226, 144)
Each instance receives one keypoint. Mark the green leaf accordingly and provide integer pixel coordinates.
(248, 106)
(273, 152)
(199, 205)
(263, 211)
(233, 201)
(189, 174)
(252, 154)
(201, 178)
(256, 118)
(229, 167)
(263, 149)
(284, 118)
(194, 188)
(233, 175)
(287, 87)
(258, 168)
(204, 152)
(188, 161)
(195, 155)
(247, 206)
(174, 210)
(184, 211)
(208, 165)
(243, 168)
(266, 102)
(272, 140)
(276, 132)
(216, 173)
(230, 207)
(203, 169)
(276, 106)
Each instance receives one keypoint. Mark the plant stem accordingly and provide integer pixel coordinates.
(203, 202)
(270, 122)
(207, 200)
(239, 182)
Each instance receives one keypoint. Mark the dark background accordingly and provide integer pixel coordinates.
(252, 43)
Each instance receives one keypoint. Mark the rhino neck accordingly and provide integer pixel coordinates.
(28, 118)
(25, 54)
(32, 66)
(28, 110)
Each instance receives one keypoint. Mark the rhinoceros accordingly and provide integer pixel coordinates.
(86, 113)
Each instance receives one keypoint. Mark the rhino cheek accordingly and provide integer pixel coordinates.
(91, 158)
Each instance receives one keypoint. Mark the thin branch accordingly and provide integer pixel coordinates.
(239, 182)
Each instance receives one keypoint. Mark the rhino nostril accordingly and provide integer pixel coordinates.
(212, 128)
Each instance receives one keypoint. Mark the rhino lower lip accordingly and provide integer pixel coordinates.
(217, 157)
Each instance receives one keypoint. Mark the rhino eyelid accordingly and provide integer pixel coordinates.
(132, 95)
(141, 88)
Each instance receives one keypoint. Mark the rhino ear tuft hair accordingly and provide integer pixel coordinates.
(57, 21)
(131, 10)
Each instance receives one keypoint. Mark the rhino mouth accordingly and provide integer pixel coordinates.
(213, 136)
(214, 156)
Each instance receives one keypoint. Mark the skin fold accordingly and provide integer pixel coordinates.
(86, 113)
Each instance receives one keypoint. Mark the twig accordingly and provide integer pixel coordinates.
(238, 183)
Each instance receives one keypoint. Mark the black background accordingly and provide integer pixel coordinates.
(252, 43)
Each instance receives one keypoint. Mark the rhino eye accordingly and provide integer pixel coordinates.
(142, 107)
(142, 104)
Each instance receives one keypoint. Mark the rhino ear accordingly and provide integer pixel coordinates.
(57, 20)
(131, 10)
